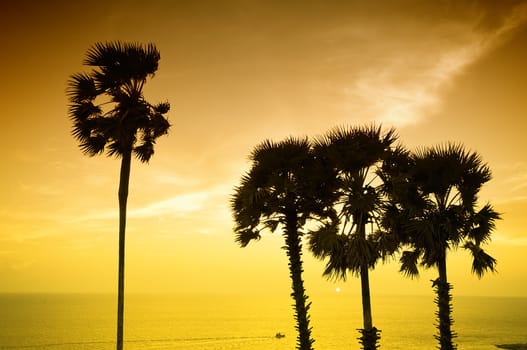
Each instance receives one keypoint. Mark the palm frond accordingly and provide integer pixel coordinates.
(158, 125)
(144, 151)
(135, 58)
(337, 266)
(387, 243)
(118, 64)
(115, 148)
(162, 107)
(481, 261)
(409, 261)
(322, 241)
(83, 111)
(81, 88)
(361, 252)
(287, 155)
(271, 225)
(354, 148)
(93, 145)
(103, 54)
(483, 224)
(252, 204)
(244, 237)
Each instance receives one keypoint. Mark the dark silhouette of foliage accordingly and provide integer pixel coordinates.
(433, 209)
(350, 240)
(281, 191)
(109, 113)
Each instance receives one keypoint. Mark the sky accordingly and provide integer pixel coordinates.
(236, 73)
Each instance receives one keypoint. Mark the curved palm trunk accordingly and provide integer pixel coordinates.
(443, 301)
(293, 248)
(123, 196)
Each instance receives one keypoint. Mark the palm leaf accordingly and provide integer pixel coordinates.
(93, 145)
(481, 261)
(482, 224)
(244, 237)
(409, 261)
(81, 88)
(322, 241)
(144, 151)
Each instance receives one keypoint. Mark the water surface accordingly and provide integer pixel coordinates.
(87, 322)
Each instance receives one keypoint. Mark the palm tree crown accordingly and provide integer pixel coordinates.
(354, 156)
(447, 180)
(279, 181)
(107, 105)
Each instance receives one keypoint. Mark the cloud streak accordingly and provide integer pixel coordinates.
(500, 239)
(180, 205)
(408, 80)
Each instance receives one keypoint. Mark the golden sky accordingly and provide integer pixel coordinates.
(237, 72)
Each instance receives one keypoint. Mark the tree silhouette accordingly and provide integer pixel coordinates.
(349, 241)
(280, 191)
(433, 210)
(109, 113)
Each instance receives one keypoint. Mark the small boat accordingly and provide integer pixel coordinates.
(279, 335)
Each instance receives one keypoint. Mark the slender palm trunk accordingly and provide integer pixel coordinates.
(370, 334)
(293, 248)
(366, 302)
(443, 302)
(123, 196)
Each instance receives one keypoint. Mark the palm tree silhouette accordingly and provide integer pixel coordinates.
(109, 112)
(280, 191)
(434, 210)
(349, 240)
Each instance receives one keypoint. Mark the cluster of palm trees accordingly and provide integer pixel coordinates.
(356, 195)
(358, 198)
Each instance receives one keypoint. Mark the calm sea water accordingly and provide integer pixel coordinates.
(87, 322)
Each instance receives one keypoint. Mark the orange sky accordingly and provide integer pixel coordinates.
(237, 72)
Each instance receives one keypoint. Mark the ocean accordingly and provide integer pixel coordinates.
(221, 322)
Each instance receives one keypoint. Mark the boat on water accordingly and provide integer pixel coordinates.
(279, 335)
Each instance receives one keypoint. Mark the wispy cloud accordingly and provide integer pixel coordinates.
(407, 82)
(175, 206)
(164, 178)
(516, 241)
(510, 183)
(179, 205)
(44, 190)
(517, 181)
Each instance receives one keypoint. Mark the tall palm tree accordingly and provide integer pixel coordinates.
(350, 241)
(280, 191)
(434, 210)
(109, 113)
